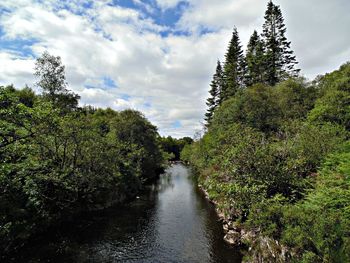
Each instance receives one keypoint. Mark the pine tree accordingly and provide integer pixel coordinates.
(216, 88)
(279, 59)
(220, 82)
(255, 58)
(234, 67)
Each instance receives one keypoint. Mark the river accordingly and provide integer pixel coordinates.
(170, 221)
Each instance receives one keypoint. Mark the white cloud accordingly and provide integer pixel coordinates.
(166, 4)
(319, 33)
(145, 66)
(15, 70)
(149, 8)
(318, 29)
(222, 14)
(165, 77)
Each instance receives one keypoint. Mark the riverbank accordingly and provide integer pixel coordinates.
(254, 246)
(275, 160)
(60, 162)
(171, 221)
(77, 220)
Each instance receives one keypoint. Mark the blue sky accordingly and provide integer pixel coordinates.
(166, 17)
(157, 56)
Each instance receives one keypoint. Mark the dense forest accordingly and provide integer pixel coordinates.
(275, 157)
(59, 160)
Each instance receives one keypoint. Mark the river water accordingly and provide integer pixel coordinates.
(171, 221)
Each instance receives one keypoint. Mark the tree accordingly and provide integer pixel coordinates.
(132, 128)
(55, 166)
(234, 68)
(255, 107)
(173, 146)
(52, 81)
(216, 87)
(255, 59)
(279, 59)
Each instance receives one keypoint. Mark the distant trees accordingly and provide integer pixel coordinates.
(173, 146)
(268, 60)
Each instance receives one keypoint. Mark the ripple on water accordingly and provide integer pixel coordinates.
(170, 222)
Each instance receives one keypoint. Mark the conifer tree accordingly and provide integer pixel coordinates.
(279, 58)
(214, 99)
(220, 82)
(255, 59)
(234, 67)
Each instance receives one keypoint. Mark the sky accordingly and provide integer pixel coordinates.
(158, 56)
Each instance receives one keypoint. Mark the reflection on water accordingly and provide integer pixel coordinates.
(170, 222)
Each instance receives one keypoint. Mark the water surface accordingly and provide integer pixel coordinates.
(170, 222)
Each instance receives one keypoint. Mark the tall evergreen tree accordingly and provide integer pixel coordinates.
(216, 88)
(234, 67)
(255, 58)
(280, 62)
(220, 82)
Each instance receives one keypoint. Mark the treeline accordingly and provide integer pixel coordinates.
(173, 147)
(58, 159)
(276, 157)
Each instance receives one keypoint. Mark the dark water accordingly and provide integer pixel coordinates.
(170, 222)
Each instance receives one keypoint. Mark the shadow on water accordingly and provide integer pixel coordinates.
(170, 222)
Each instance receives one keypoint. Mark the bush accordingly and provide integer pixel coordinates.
(334, 104)
(56, 165)
(260, 161)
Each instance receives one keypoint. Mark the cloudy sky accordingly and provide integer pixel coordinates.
(157, 56)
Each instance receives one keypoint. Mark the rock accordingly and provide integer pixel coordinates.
(221, 216)
(225, 227)
(233, 237)
(233, 226)
(265, 249)
(248, 236)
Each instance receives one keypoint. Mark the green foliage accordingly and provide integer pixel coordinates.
(173, 147)
(267, 108)
(135, 130)
(255, 107)
(279, 59)
(295, 98)
(268, 61)
(320, 224)
(334, 104)
(260, 161)
(52, 81)
(216, 87)
(267, 215)
(255, 57)
(54, 165)
(234, 68)
(185, 154)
